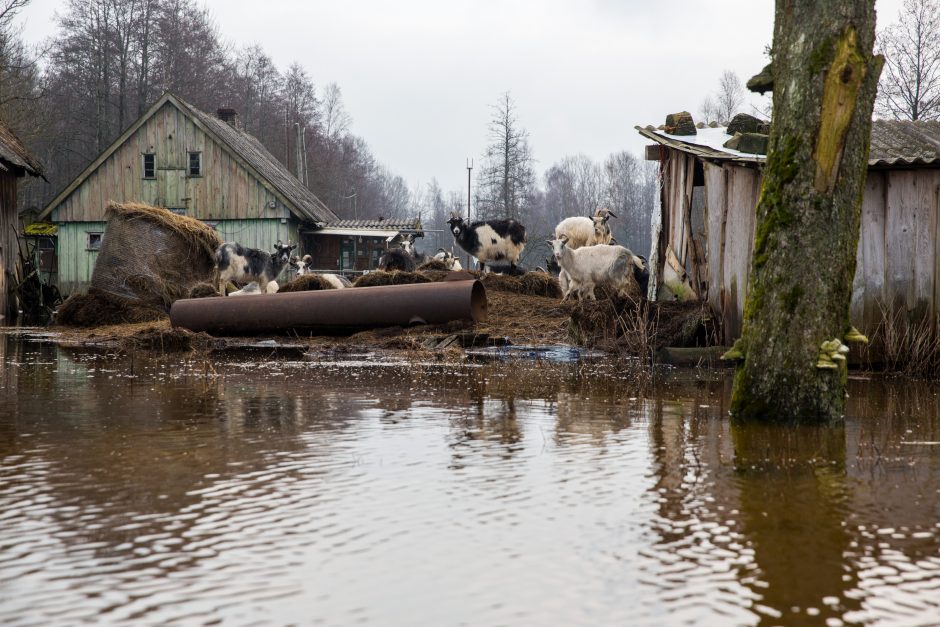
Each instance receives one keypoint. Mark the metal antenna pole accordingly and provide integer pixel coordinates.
(469, 168)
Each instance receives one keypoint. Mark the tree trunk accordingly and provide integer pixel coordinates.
(800, 287)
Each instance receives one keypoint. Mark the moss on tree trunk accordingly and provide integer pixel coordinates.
(825, 77)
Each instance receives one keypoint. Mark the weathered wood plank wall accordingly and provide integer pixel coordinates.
(898, 259)
(225, 190)
(9, 253)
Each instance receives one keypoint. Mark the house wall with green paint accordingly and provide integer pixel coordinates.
(78, 242)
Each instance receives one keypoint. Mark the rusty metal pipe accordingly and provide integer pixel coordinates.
(333, 311)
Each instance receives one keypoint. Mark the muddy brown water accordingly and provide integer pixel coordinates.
(153, 490)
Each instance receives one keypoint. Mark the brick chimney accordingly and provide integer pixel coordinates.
(228, 115)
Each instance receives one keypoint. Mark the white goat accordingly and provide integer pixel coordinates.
(583, 231)
(253, 289)
(338, 281)
(590, 266)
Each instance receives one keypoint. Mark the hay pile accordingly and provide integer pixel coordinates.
(306, 283)
(530, 283)
(395, 277)
(97, 308)
(639, 327)
(203, 290)
(433, 264)
(153, 256)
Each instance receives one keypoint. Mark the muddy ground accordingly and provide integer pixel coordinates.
(512, 318)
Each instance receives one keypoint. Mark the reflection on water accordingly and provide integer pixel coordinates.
(164, 489)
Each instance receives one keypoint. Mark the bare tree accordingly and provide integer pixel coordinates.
(730, 96)
(336, 120)
(910, 83)
(506, 177)
(630, 187)
(708, 110)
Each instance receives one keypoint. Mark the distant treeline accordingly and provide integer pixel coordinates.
(69, 97)
(111, 59)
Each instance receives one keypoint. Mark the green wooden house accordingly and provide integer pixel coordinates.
(193, 163)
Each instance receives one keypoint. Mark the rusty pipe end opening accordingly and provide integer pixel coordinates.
(478, 302)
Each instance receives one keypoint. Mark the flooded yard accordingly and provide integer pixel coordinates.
(255, 488)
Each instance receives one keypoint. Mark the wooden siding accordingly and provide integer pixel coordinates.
(897, 263)
(226, 190)
(898, 260)
(259, 233)
(9, 252)
(76, 262)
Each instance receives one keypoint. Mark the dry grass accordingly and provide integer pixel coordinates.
(395, 277)
(639, 327)
(203, 290)
(433, 264)
(307, 283)
(97, 308)
(198, 234)
(530, 283)
(910, 347)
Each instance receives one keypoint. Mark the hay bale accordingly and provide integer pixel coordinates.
(433, 264)
(395, 277)
(203, 290)
(307, 283)
(152, 256)
(100, 308)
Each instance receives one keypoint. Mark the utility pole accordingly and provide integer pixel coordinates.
(469, 168)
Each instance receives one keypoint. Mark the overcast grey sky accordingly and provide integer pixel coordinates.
(419, 76)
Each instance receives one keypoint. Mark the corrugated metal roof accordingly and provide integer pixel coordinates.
(266, 164)
(13, 151)
(894, 143)
(904, 143)
(413, 224)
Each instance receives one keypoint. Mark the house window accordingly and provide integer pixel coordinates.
(150, 166)
(195, 164)
(94, 240)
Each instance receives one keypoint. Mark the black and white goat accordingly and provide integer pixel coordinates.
(396, 259)
(449, 260)
(491, 240)
(301, 266)
(245, 265)
(408, 245)
(304, 266)
(642, 276)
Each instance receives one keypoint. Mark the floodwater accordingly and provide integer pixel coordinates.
(260, 489)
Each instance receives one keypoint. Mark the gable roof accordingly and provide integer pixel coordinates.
(244, 147)
(894, 143)
(13, 152)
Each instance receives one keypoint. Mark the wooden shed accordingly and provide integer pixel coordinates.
(352, 246)
(703, 233)
(193, 163)
(15, 162)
